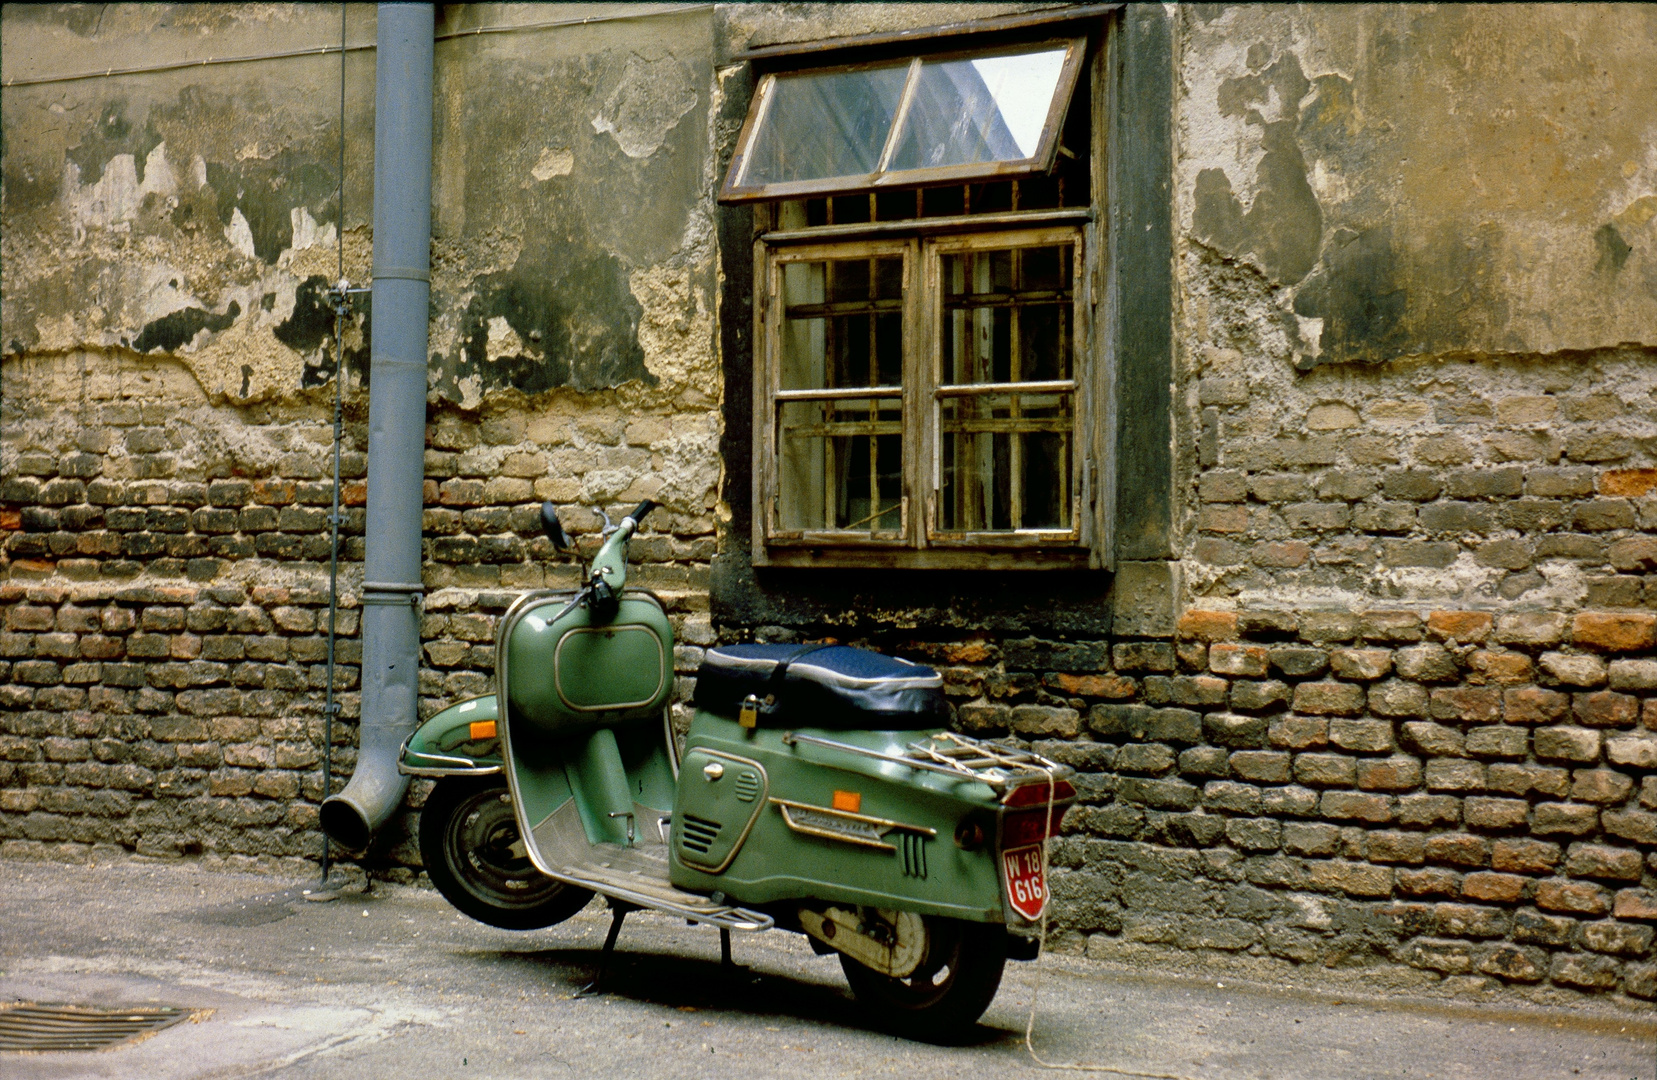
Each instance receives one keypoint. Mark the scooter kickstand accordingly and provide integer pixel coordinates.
(727, 966)
(618, 912)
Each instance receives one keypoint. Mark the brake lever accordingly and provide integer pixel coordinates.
(608, 528)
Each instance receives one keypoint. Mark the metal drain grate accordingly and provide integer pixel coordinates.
(28, 1026)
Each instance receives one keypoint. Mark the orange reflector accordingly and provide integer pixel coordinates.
(482, 729)
(849, 801)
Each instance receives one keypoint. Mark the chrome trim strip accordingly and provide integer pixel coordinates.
(412, 770)
(862, 819)
(791, 738)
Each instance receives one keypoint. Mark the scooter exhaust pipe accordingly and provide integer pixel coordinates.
(396, 422)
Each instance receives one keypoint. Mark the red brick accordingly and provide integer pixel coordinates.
(1533, 705)
(1474, 704)
(355, 493)
(1499, 667)
(1458, 849)
(1397, 773)
(1352, 878)
(1525, 856)
(1208, 625)
(1329, 699)
(1282, 554)
(1636, 904)
(1114, 687)
(1628, 483)
(1580, 897)
(1460, 626)
(1430, 881)
(1352, 806)
(1299, 733)
(1247, 661)
(1602, 861)
(273, 492)
(1614, 631)
(1360, 664)
(1600, 786)
(1223, 518)
(1607, 708)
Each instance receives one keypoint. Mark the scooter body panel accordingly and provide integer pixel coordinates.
(830, 825)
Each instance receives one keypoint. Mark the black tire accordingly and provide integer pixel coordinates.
(944, 997)
(466, 834)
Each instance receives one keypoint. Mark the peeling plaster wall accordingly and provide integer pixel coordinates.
(1429, 180)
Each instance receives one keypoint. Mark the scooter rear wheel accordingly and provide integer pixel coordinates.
(942, 998)
(470, 843)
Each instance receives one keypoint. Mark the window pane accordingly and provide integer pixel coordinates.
(1008, 315)
(969, 111)
(842, 323)
(825, 124)
(1005, 462)
(839, 465)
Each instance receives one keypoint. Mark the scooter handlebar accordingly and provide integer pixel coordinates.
(640, 510)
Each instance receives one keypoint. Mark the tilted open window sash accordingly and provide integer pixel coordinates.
(924, 120)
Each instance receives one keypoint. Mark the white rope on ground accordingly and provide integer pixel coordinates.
(1035, 991)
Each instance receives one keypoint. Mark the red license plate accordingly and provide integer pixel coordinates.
(1026, 886)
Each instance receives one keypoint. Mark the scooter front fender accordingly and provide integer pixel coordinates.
(462, 740)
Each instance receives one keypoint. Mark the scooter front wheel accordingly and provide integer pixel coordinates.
(475, 856)
(942, 998)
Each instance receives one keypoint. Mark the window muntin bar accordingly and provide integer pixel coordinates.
(840, 466)
(1004, 401)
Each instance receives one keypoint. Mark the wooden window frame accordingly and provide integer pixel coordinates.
(919, 543)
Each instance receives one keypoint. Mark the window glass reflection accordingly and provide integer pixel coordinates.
(825, 124)
(969, 111)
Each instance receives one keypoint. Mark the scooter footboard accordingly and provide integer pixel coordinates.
(763, 818)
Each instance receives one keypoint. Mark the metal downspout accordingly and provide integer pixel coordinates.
(397, 423)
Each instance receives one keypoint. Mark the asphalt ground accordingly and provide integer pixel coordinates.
(395, 983)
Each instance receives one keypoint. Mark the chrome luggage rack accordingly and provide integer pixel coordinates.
(959, 756)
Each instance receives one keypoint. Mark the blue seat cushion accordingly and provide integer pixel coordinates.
(827, 686)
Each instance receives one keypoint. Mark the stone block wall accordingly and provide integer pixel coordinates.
(164, 594)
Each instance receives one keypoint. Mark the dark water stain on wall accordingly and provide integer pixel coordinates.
(569, 303)
(267, 190)
(309, 331)
(171, 331)
(1284, 226)
(1613, 249)
(112, 134)
(1355, 291)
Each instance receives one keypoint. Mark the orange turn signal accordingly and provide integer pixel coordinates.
(481, 729)
(849, 801)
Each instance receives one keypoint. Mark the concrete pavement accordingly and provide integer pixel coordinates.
(394, 983)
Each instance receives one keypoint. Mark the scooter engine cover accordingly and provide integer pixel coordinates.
(832, 686)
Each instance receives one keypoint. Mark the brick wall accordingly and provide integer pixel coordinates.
(164, 595)
(1468, 795)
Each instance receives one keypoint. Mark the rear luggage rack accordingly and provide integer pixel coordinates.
(959, 756)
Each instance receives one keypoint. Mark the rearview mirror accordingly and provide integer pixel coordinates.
(553, 527)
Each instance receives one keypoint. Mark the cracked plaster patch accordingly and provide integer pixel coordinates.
(649, 102)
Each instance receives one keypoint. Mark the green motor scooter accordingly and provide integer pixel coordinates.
(819, 791)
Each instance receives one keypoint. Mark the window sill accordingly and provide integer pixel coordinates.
(922, 559)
